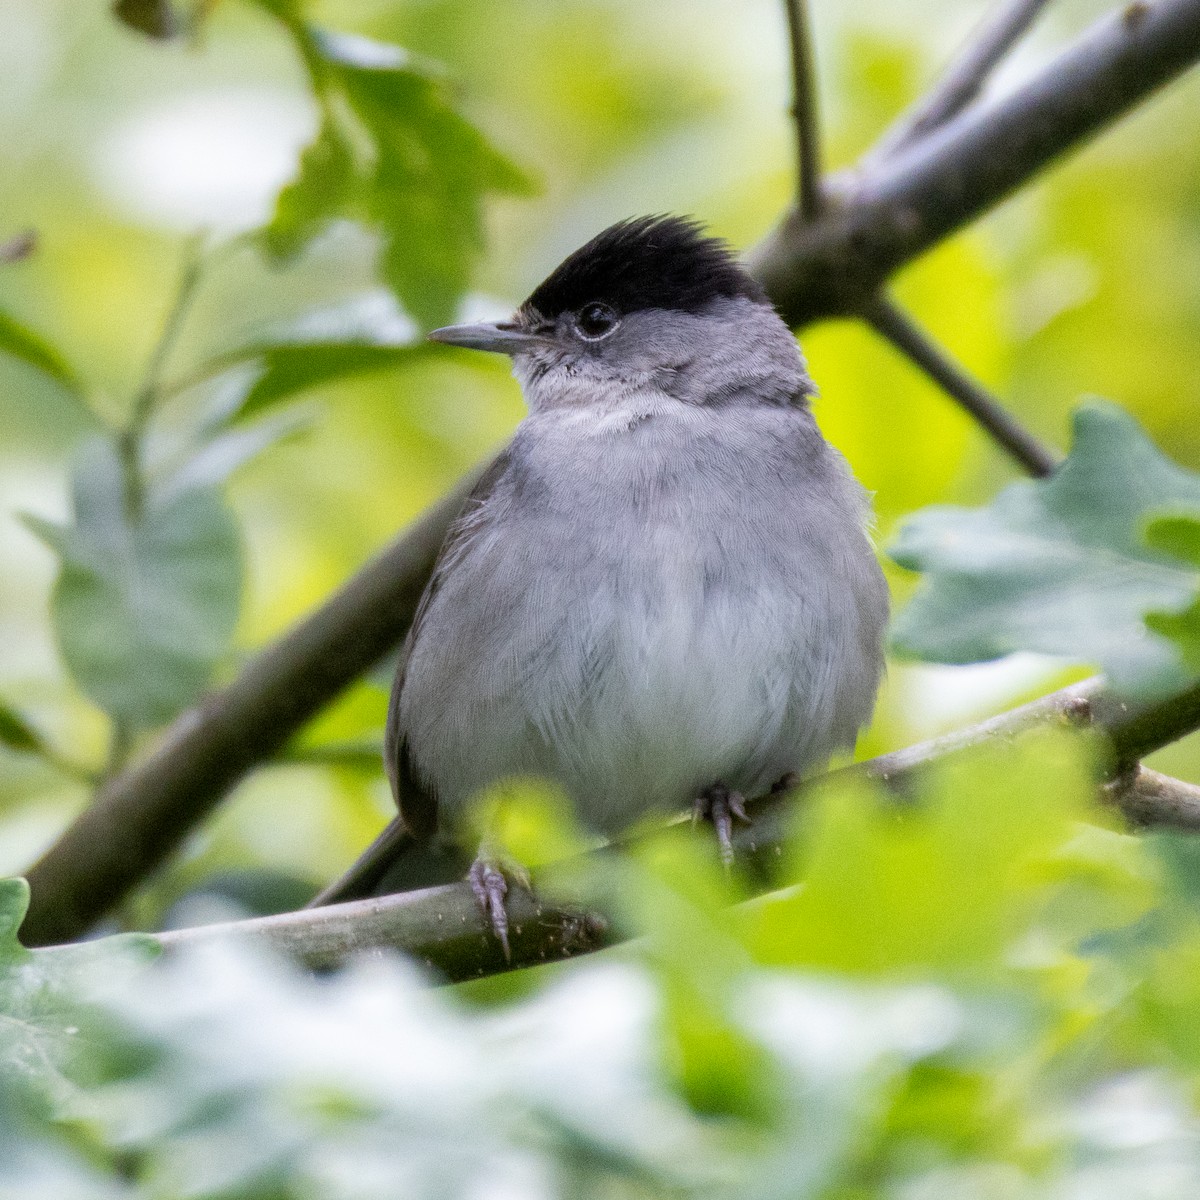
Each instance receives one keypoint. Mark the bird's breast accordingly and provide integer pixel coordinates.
(643, 609)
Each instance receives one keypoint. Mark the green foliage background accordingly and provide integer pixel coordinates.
(992, 996)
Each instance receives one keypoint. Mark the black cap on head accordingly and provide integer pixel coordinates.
(646, 262)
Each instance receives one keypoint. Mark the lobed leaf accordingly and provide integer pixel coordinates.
(145, 604)
(1059, 566)
(41, 1034)
(394, 154)
(364, 334)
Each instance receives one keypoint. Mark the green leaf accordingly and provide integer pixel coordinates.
(948, 884)
(364, 334)
(31, 348)
(393, 153)
(144, 606)
(40, 1024)
(1057, 566)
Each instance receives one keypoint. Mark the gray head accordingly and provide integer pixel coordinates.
(650, 303)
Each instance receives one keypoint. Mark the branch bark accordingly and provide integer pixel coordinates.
(884, 218)
(443, 926)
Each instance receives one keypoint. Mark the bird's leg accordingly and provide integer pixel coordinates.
(489, 877)
(721, 806)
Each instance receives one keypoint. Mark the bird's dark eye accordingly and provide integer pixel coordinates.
(596, 320)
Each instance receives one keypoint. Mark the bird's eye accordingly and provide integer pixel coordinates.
(595, 321)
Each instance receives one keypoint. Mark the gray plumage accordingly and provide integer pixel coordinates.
(665, 582)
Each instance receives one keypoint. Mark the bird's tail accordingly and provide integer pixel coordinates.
(395, 861)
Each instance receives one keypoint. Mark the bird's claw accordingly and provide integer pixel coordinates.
(722, 807)
(489, 882)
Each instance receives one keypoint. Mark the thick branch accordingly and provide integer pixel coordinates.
(832, 266)
(892, 323)
(443, 926)
(894, 211)
(143, 814)
(963, 80)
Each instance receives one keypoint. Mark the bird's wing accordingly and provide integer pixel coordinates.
(407, 834)
(417, 801)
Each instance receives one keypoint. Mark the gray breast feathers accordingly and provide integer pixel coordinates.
(639, 606)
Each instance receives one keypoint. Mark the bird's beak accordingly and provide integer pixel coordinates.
(503, 338)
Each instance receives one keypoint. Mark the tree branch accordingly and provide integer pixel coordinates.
(891, 323)
(444, 928)
(832, 266)
(963, 80)
(804, 111)
(892, 212)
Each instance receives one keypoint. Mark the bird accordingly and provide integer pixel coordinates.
(662, 594)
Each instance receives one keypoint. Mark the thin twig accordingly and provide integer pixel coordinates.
(963, 80)
(804, 111)
(1148, 798)
(148, 393)
(185, 293)
(910, 339)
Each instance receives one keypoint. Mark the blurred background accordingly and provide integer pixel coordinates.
(119, 150)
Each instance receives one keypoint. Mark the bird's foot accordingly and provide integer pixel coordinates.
(721, 806)
(489, 878)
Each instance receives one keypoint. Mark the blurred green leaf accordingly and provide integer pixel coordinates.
(40, 1160)
(946, 884)
(145, 604)
(31, 348)
(394, 154)
(40, 1025)
(220, 456)
(1058, 565)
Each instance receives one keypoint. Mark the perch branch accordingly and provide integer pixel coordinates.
(443, 926)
